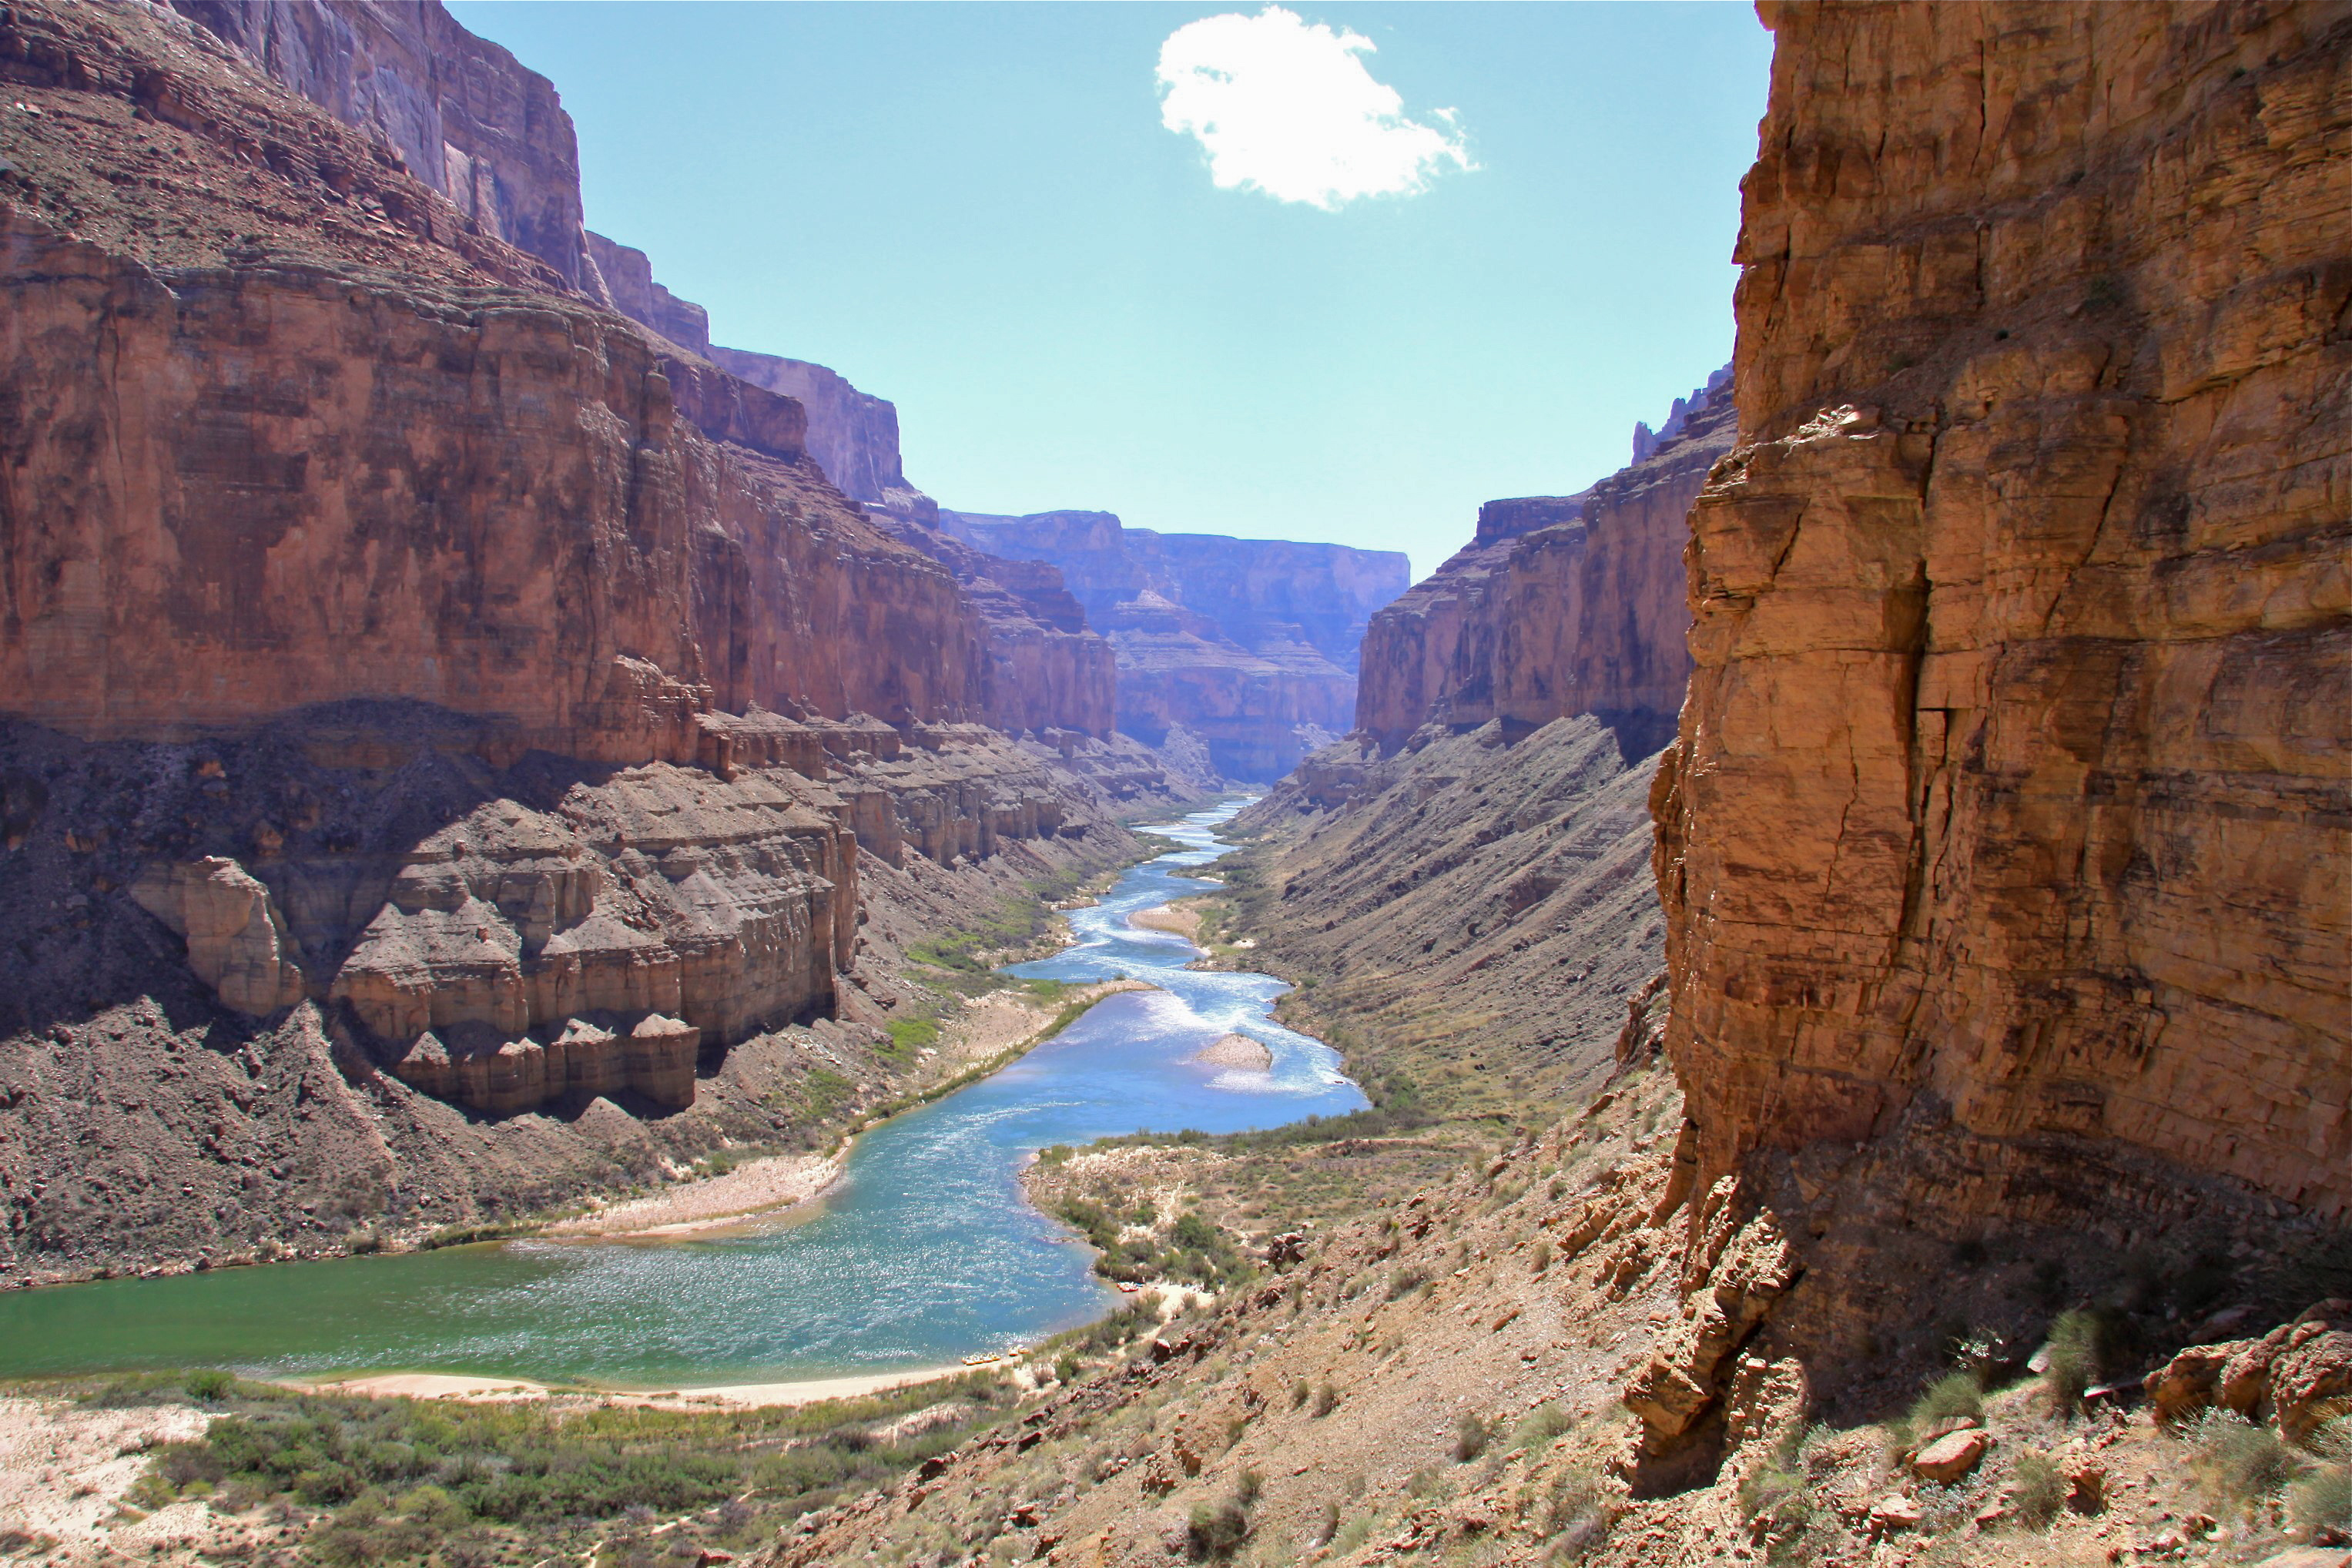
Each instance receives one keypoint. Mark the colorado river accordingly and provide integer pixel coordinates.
(925, 1252)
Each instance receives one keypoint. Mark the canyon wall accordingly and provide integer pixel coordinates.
(2012, 793)
(1559, 605)
(1248, 645)
(419, 675)
(464, 116)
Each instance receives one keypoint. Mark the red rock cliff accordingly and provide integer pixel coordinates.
(465, 117)
(1560, 606)
(273, 444)
(2010, 798)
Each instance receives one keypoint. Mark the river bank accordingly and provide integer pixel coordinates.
(986, 1033)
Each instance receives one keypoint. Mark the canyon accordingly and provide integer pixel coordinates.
(1248, 647)
(1854, 901)
(474, 717)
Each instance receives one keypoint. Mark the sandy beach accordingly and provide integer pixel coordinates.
(752, 1188)
(472, 1390)
(982, 1029)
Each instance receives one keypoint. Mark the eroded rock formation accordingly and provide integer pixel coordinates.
(2003, 848)
(1559, 606)
(2012, 780)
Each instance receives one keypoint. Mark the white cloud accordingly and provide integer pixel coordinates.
(1288, 108)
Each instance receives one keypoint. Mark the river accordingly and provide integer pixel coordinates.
(925, 1252)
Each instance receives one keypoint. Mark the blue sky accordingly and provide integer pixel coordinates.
(976, 211)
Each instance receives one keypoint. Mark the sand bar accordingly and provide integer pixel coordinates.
(1235, 1051)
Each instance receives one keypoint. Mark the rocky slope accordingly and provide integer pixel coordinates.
(1559, 606)
(1468, 918)
(1250, 644)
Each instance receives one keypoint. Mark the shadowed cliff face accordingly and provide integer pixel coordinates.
(1561, 605)
(2011, 790)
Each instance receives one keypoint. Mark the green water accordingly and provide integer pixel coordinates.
(926, 1252)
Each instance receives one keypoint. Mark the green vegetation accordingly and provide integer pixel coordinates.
(2321, 1505)
(1954, 1394)
(1196, 1251)
(403, 1480)
(2074, 1352)
(2239, 1466)
(2040, 1490)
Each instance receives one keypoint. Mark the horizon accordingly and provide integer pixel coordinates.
(1342, 251)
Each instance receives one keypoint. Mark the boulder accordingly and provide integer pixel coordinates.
(2311, 1371)
(1951, 1456)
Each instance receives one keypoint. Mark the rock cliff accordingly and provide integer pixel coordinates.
(2002, 847)
(1249, 645)
(477, 712)
(2011, 788)
(1559, 606)
(464, 116)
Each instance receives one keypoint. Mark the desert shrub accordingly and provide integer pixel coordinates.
(1954, 1394)
(2321, 1503)
(1300, 1393)
(1249, 1487)
(1327, 1399)
(1327, 1525)
(209, 1387)
(2040, 1490)
(1576, 1516)
(2073, 1363)
(2239, 1465)
(1541, 1426)
(1472, 1434)
(1540, 1258)
(1216, 1530)
(1405, 1282)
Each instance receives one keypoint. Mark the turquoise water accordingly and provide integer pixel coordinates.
(924, 1253)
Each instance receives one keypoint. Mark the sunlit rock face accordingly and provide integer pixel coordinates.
(2011, 795)
(1559, 607)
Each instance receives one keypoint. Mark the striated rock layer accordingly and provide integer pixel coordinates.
(1560, 606)
(2013, 777)
(2003, 846)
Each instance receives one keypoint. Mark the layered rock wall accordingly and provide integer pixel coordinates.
(1559, 606)
(2010, 805)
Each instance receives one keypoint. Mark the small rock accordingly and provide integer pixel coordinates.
(1894, 1511)
(1950, 1456)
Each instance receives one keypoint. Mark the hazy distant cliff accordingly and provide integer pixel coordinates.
(1249, 644)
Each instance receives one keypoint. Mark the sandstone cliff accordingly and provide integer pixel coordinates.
(1559, 606)
(1249, 645)
(475, 713)
(2003, 846)
(2011, 791)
